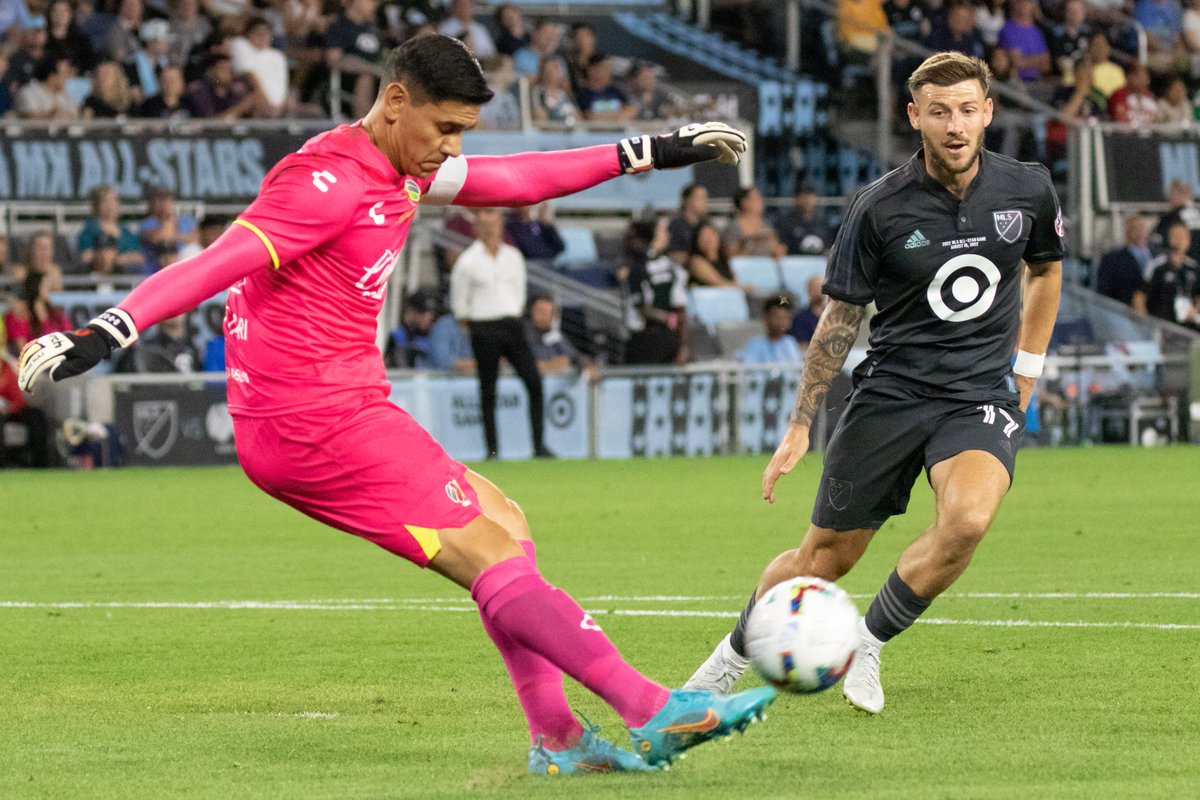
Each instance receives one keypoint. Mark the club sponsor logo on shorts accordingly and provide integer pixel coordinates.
(456, 494)
(840, 493)
(1009, 225)
(412, 190)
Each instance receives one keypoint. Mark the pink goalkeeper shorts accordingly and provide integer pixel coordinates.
(371, 471)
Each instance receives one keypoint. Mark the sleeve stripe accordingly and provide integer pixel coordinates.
(250, 226)
(447, 182)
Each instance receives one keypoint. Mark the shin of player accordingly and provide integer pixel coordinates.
(943, 246)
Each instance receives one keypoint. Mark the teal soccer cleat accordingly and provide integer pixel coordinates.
(590, 754)
(692, 718)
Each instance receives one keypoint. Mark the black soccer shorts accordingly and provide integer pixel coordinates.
(882, 442)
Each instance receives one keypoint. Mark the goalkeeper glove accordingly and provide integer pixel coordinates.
(64, 355)
(691, 144)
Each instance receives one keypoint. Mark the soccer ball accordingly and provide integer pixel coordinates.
(802, 635)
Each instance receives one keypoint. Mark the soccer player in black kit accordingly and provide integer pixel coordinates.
(942, 246)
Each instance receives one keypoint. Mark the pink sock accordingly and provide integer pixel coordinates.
(539, 685)
(515, 600)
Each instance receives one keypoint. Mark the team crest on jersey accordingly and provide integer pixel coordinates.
(412, 190)
(1008, 225)
(456, 494)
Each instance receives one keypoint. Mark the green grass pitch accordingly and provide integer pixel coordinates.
(175, 633)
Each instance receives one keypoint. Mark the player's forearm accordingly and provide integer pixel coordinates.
(1040, 307)
(187, 283)
(827, 352)
(524, 179)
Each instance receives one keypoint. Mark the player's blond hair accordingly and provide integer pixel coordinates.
(947, 69)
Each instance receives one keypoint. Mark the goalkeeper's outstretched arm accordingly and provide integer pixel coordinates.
(525, 179)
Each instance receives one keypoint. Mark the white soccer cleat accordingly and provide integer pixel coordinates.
(720, 671)
(861, 685)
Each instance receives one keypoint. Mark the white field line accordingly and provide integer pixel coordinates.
(445, 607)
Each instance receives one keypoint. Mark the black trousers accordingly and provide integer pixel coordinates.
(37, 452)
(506, 337)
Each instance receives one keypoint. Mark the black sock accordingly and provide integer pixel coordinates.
(894, 609)
(737, 639)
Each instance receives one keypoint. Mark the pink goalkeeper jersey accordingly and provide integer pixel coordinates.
(333, 216)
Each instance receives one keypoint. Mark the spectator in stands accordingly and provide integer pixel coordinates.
(1173, 291)
(220, 94)
(188, 28)
(211, 227)
(462, 24)
(512, 35)
(543, 45)
(111, 96)
(551, 98)
(253, 56)
(776, 346)
(123, 35)
(487, 292)
(31, 314)
(164, 232)
(649, 100)
(153, 54)
(23, 62)
(658, 290)
(168, 349)
(13, 16)
(1079, 100)
(65, 40)
(600, 99)
(552, 350)
(805, 230)
(1070, 38)
(1025, 42)
(747, 232)
(46, 96)
(1122, 271)
(6, 265)
(40, 260)
(502, 112)
(804, 324)
(1180, 208)
(1134, 104)
(354, 47)
(860, 23)
(408, 343)
(94, 23)
(7, 100)
(532, 231)
(1163, 22)
(169, 102)
(990, 17)
(1107, 76)
(706, 261)
(450, 347)
(908, 19)
(1191, 35)
(581, 51)
(681, 230)
(105, 244)
(956, 30)
(14, 409)
(1174, 108)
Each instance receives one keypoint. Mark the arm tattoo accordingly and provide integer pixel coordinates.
(836, 333)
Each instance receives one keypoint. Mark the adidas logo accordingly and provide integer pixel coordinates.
(916, 240)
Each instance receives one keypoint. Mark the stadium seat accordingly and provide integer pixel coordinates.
(796, 270)
(580, 248)
(711, 305)
(761, 272)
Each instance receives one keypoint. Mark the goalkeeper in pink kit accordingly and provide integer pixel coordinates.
(306, 266)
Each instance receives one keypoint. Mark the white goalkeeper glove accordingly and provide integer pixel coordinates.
(64, 355)
(691, 144)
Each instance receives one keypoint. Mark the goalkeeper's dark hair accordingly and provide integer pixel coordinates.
(436, 68)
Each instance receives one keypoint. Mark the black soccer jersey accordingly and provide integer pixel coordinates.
(945, 274)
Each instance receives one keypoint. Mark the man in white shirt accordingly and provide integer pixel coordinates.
(487, 291)
(45, 97)
(462, 25)
(253, 55)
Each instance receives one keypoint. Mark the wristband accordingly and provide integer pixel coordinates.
(119, 327)
(1029, 365)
